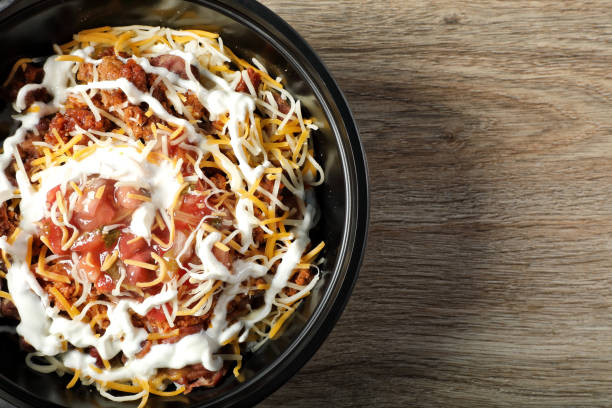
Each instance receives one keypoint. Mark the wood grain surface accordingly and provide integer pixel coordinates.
(488, 275)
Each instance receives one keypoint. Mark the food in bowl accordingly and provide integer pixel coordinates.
(156, 206)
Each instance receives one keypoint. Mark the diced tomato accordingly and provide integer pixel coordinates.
(52, 195)
(89, 242)
(94, 353)
(164, 236)
(54, 234)
(128, 246)
(180, 239)
(172, 150)
(105, 283)
(195, 204)
(135, 274)
(136, 250)
(225, 257)
(91, 212)
(91, 266)
(156, 314)
(123, 200)
(192, 209)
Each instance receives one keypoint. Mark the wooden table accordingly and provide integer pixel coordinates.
(488, 275)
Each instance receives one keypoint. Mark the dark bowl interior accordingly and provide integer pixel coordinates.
(250, 29)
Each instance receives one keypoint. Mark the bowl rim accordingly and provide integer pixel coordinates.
(289, 43)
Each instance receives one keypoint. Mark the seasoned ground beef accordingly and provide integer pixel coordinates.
(67, 122)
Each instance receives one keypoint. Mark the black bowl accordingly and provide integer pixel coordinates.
(28, 28)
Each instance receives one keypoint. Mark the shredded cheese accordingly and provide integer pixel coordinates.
(11, 239)
(74, 380)
(306, 258)
(73, 58)
(198, 306)
(222, 246)
(20, 63)
(71, 310)
(76, 188)
(6, 295)
(139, 197)
(274, 331)
(48, 274)
(109, 261)
(100, 192)
(178, 391)
(140, 264)
(97, 319)
(161, 336)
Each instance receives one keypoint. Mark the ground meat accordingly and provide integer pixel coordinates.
(94, 310)
(302, 278)
(237, 307)
(43, 125)
(258, 236)
(219, 180)
(159, 91)
(8, 220)
(108, 70)
(30, 74)
(94, 353)
(10, 172)
(197, 110)
(135, 119)
(184, 331)
(135, 74)
(67, 290)
(288, 199)
(283, 106)
(195, 375)
(146, 347)
(268, 185)
(137, 321)
(174, 64)
(255, 80)
(74, 102)
(67, 122)
(112, 98)
(109, 51)
(189, 321)
(39, 94)
(85, 73)
(28, 151)
(25, 346)
(8, 309)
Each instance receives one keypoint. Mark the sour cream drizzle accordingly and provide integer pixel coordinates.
(42, 326)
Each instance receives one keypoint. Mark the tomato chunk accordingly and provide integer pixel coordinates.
(54, 234)
(135, 274)
(156, 314)
(195, 204)
(123, 199)
(128, 245)
(89, 242)
(192, 209)
(90, 265)
(93, 210)
(52, 195)
(105, 283)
